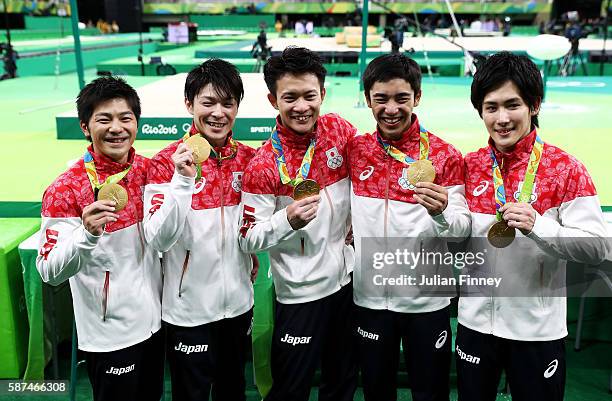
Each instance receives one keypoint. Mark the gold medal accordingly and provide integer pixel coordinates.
(305, 189)
(116, 193)
(421, 171)
(500, 235)
(200, 148)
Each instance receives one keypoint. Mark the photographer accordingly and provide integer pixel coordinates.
(9, 58)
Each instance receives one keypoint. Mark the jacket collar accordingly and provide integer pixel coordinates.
(107, 166)
(410, 137)
(521, 152)
(294, 140)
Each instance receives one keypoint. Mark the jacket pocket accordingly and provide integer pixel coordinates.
(105, 294)
(183, 272)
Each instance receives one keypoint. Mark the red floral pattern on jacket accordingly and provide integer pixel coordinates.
(71, 192)
(560, 177)
(371, 167)
(329, 164)
(221, 183)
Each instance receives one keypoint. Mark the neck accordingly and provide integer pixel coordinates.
(117, 159)
(390, 137)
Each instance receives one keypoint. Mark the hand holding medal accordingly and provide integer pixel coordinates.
(305, 191)
(520, 215)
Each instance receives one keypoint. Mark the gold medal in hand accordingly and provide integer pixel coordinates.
(200, 148)
(305, 189)
(116, 193)
(421, 171)
(500, 235)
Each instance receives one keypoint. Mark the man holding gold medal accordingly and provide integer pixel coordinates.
(408, 192)
(91, 235)
(533, 207)
(295, 205)
(191, 210)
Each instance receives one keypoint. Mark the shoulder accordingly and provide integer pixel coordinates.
(60, 199)
(160, 167)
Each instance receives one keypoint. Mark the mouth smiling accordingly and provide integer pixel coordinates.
(301, 118)
(216, 124)
(391, 120)
(113, 140)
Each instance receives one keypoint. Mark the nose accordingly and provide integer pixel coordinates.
(391, 108)
(300, 106)
(503, 117)
(217, 110)
(115, 125)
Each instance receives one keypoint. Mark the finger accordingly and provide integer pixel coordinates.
(429, 185)
(440, 196)
(99, 207)
(426, 202)
(309, 200)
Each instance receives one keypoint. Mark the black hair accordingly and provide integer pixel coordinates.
(296, 61)
(102, 89)
(391, 66)
(502, 67)
(223, 76)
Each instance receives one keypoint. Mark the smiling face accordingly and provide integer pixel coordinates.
(112, 129)
(298, 101)
(214, 115)
(507, 116)
(392, 103)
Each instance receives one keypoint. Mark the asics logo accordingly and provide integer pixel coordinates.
(441, 339)
(199, 186)
(479, 190)
(552, 368)
(365, 174)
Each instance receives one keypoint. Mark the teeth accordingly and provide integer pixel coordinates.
(115, 140)
(216, 125)
(391, 120)
(301, 118)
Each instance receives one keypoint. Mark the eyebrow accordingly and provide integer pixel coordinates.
(294, 92)
(217, 98)
(110, 115)
(395, 95)
(514, 99)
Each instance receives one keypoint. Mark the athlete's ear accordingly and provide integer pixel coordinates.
(417, 98)
(273, 101)
(189, 106)
(85, 130)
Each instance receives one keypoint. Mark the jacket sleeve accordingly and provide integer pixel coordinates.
(65, 246)
(261, 227)
(455, 222)
(577, 231)
(166, 204)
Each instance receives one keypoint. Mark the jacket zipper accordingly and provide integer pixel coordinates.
(105, 294)
(221, 183)
(331, 208)
(185, 265)
(388, 180)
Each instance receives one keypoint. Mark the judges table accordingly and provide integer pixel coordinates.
(13, 316)
(49, 313)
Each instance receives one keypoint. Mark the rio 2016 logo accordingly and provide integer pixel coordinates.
(159, 129)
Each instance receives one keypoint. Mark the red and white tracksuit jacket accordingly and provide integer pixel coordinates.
(567, 207)
(206, 276)
(313, 262)
(115, 278)
(382, 206)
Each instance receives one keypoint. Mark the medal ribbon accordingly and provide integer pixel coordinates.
(279, 156)
(90, 168)
(401, 156)
(530, 173)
